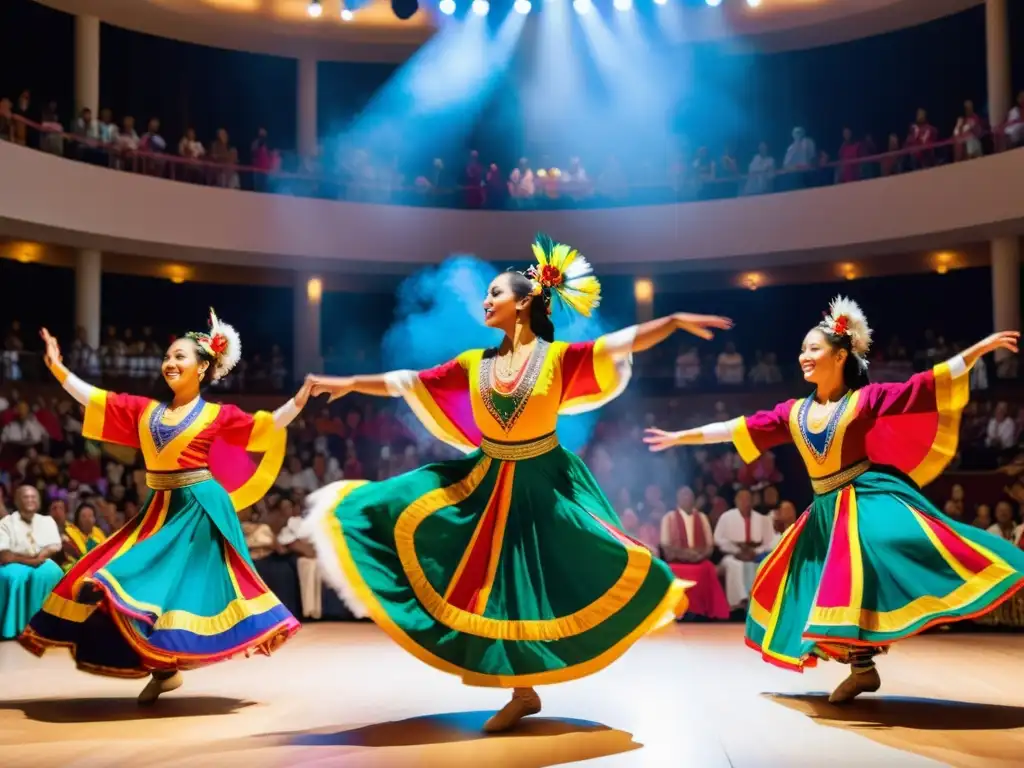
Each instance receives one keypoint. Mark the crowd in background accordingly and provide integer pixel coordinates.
(342, 171)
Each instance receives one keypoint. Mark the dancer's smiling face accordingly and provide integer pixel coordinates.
(501, 305)
(182, 366)
(821, 363)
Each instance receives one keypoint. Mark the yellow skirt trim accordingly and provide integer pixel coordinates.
(672, 605)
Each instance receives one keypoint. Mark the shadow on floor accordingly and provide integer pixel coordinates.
(906, 712)
(956, 733)
(104, 710)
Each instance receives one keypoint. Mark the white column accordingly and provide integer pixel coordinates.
(87, 63)
(306, 328)
(997, 60)
(88, 279)
(306, 120)
(1006, 283)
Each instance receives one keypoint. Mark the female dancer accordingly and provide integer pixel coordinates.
(175, 588)
(507, 567)
(872, 561)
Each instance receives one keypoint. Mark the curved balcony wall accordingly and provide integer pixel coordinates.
(75, 204)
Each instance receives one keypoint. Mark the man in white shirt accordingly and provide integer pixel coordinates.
(24, 431)
(744, 537)
(1002, 431)
(27, 574)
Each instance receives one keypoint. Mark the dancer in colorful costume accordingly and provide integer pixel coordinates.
(872, 561)
(175, 588)
(507, 567)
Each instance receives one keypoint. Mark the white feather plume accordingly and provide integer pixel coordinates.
(856, 323)
(229, 358)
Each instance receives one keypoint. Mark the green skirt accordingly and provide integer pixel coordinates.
(869, 564)
(506, 573)
(174, 589)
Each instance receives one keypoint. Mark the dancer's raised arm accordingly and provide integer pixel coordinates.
(653, 332)
(751, 435)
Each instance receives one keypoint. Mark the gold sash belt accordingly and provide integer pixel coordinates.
(837, 480)
(530, 449)
(169, 481)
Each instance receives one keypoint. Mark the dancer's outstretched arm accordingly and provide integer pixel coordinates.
(339, 386)
(653, 332)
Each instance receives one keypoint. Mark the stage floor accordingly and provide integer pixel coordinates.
(692, 695)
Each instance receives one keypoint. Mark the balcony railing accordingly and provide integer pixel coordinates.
(554, 188)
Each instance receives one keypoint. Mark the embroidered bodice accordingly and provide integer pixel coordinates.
(462, 402)
(911, 425)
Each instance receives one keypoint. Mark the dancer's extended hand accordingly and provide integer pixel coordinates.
(52, 354)
(302, 396)
(334, 386)
(701, 325)
(1008, 340)
(660, 440)
(1002, 340)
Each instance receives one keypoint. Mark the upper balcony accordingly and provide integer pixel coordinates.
(151, 212)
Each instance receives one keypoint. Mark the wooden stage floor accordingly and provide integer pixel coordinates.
(692, 695)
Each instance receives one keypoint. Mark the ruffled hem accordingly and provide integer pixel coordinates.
(320, 505)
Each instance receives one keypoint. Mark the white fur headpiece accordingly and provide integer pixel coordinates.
(845, 318)
(222, 343)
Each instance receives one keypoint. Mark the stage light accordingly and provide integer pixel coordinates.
(660, 2)
(581, 6)
(713, 3)
(314, 9)
(481, 7)
(753, 3)
(623, 5)
(447, 7)
(347, 15)
(523, 6)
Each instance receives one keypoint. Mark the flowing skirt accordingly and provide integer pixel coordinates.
(506, 573)
(870, 564)
(174, 589)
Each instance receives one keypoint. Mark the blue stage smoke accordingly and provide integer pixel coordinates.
(440, 315)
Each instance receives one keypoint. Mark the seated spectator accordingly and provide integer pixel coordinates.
(1015, 123)
(744, 537)
(783, 518)
(687, 367)
(27, 574)
(686, 545)
(293, 539)
(729, 368)
(84, 534)
(1005, 525)
(760, 172)
(1001, 433)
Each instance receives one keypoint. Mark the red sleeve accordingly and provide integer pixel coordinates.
(754, 434)
(114, 418)
(593, 373)
(244, 430)
(916, 395)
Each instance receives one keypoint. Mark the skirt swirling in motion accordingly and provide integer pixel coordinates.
(505, 573)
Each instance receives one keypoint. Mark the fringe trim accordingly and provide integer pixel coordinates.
(318, 505)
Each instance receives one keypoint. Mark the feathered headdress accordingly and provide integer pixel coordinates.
(222, 343)
(845, 318)
(562, 271)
